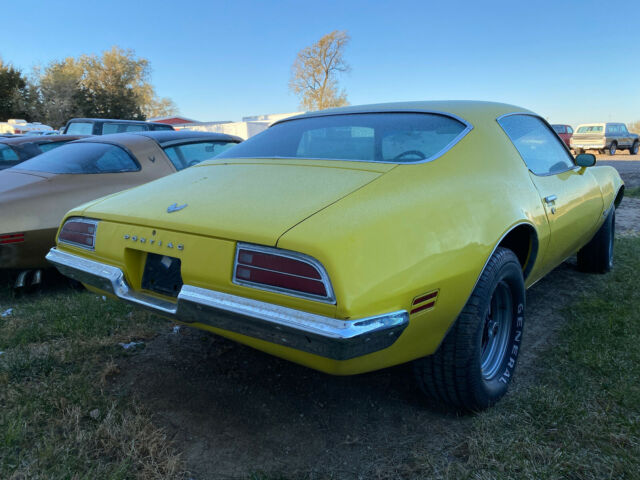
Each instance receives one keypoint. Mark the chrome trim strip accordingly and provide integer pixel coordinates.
(317, 334)
(445, 149)
(330, 298)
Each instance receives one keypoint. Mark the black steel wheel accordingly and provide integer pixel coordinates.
(475, 363)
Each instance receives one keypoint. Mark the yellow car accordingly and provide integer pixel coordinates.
(354, 239)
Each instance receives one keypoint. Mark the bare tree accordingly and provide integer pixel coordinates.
(314, 72)
(635, 127)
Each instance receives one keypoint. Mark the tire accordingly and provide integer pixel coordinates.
(475, 363)
(634, 148)
(597, 255)
(612, 148)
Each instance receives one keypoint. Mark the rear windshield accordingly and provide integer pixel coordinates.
(590, 129)
(79, 128)
(372, 137)
(83, 158)
(108, 128)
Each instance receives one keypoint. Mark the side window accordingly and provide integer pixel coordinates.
(542, 151)
(183, 156)
(8, 157)
(569, 129)
(623, 129)
(559, 128)
(79, 128)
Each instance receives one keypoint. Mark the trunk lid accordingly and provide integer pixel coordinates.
(253, 201)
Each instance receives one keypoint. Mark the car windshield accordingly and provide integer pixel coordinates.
(371, 137)
(81, 158)
(590, 129)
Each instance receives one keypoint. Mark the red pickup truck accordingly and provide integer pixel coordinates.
(564, 132)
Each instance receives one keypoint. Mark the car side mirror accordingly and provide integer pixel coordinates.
(586, 160)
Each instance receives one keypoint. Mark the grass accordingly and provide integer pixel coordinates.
(580, 418)
(56, 418)
(632, 192)
(577, 418)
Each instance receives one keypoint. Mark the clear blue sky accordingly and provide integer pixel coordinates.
(570, 61)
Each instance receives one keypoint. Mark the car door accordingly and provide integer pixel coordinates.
(570, 195)
(625, 138)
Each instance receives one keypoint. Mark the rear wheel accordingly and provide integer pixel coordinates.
(597, 255)
(634, 148)
(474, 365)
(612, 148)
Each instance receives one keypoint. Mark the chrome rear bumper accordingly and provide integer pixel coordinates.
(325, 336)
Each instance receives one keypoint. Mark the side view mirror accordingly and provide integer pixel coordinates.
(586, 160)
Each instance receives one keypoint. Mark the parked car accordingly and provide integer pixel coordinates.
(604, 136)
(18, 126)
(16, 149)
(105, 126)
(564, 132)
(358, 238)
(35, 194)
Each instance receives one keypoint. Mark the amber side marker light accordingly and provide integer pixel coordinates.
(281, 271)
(9, 238)
(424, 302)
(79, 232)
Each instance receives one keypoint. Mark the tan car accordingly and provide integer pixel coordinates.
(35, 195)
(609, 137)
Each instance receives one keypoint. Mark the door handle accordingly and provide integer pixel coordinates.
(550, 198)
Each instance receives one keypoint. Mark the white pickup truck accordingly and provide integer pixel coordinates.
(18, 126)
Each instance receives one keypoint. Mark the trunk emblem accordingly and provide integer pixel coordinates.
(175, 208)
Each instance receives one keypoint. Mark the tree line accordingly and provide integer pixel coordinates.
(114, 84)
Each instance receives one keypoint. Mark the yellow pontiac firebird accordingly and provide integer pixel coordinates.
(354, 239)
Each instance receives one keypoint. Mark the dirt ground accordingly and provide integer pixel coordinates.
(233, 410)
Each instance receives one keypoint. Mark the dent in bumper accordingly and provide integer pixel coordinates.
(325, 336)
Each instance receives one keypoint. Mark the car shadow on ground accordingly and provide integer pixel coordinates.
(233, 410)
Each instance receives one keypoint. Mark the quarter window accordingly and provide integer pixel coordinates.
(183, 156)
(540, 149)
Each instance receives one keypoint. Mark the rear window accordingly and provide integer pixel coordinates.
(187, 155)
(590, 129)
(82, 158)
(80, 128)
(559, 128)
(108, 128)
(372, 137)
(161, 127)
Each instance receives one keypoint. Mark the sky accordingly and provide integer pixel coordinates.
(569, 61)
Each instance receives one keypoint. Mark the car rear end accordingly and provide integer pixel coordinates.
(589, 137)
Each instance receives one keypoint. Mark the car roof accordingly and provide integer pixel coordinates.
(39, 139)
(135, 140)
(164, 137)
(137, 122)
(469, 110)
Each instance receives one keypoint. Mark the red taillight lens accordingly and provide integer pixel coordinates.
(79, 232)
(10, 238)
(283, 271)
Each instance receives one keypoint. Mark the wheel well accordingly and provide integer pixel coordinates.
(619, 196)
(523, 241)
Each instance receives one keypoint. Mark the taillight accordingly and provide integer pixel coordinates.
(282, 271)
(80, 232)
(10, 238)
